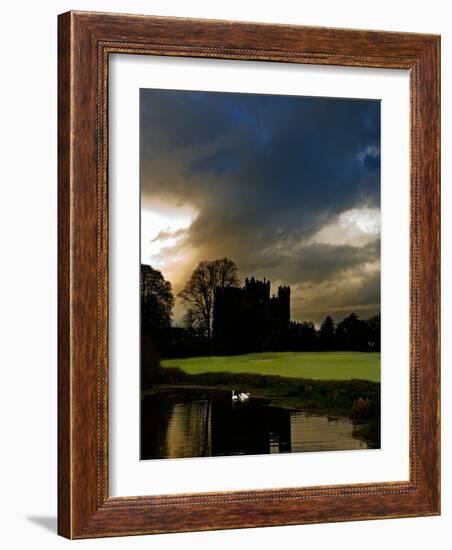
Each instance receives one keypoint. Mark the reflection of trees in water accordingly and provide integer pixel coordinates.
(210, 427)
(155, 414)
(174, 426)
(172, 429)
(188, 432)
(249, 428)
(323, 433)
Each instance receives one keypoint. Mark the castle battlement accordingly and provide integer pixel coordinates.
(247, 319)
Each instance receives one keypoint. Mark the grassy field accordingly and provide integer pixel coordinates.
(335, 365)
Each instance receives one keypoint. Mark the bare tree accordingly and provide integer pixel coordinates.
(199, 291)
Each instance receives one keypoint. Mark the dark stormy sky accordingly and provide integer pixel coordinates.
(286, 186)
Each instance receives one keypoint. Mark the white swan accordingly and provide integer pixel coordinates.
(240, 397)
(244, 396)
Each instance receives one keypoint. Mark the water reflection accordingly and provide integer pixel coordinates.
(178, 425)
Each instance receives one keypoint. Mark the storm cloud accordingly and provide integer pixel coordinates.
(286, 186)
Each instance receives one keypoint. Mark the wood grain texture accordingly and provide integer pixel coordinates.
(64, 295)
(85, 42)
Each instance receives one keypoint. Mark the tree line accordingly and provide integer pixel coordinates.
(160, 338)
(350, 334)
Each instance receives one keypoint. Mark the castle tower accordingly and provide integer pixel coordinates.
(247, 320)
(284, 301)
(257, 290)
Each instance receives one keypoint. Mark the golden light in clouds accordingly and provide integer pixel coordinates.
(355, 227)
(232, 175)
(164, 232)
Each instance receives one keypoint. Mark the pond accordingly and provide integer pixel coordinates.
(182, 424)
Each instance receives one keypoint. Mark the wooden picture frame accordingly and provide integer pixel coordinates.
(86, 40)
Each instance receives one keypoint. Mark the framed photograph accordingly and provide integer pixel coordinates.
(248, 275)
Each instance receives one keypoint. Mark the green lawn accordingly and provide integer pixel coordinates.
(335, 365)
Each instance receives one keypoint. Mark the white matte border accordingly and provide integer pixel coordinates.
(130, 476)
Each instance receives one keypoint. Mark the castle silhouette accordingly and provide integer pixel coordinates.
(247, 319)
